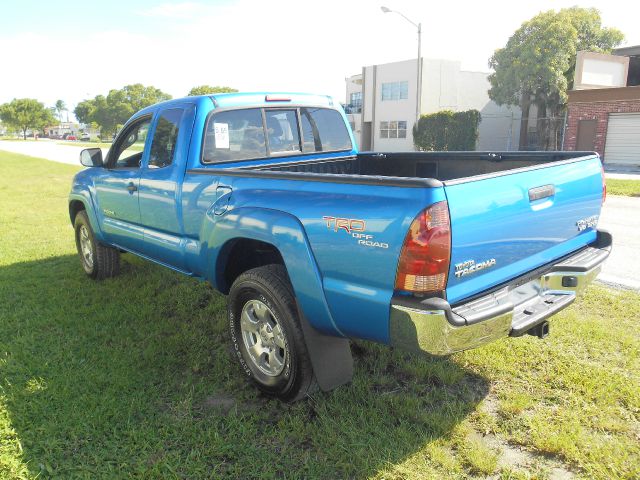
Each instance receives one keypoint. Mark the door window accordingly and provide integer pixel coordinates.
(165, 138)
(130, 147)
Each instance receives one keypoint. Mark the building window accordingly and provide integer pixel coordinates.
(355, 102)
(395, 91)
(395, 129)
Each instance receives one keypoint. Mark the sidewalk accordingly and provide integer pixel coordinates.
(622, 176)
(622, 172)
(620, 217)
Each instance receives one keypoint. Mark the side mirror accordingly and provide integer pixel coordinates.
(91, 157)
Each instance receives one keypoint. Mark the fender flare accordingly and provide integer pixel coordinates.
(84, 197)
(327, 346)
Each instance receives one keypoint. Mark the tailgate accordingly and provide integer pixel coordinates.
(506, 225)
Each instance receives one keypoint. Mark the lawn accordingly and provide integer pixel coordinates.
(132, 377)
(629, 188)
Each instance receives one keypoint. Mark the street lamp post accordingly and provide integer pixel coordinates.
(419, 65)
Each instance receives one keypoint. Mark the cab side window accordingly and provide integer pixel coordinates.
(324, 130)
(164, 141)
(282, 131)
(130, 147)
(234, 135)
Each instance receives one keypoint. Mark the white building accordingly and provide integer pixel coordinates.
(62, 128)
(381, 104)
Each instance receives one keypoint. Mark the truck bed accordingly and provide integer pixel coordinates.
(441, 166)
(515, 210)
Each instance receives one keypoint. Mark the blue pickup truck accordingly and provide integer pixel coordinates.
(266, 197)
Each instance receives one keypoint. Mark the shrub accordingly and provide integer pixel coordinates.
(447, 131)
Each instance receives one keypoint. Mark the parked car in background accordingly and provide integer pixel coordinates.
(85, 137)
(266, 197)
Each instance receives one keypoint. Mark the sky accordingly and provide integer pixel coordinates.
(74, 50)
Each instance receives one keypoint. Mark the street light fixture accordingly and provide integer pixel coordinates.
(419, 86)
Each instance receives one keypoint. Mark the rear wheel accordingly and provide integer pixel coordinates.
(98, 261)
(266, 334)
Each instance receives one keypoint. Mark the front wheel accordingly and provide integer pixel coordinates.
(98, 261)
(266, 334)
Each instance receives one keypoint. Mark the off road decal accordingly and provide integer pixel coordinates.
(356, 228)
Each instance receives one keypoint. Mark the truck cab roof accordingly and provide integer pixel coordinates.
(247, 99)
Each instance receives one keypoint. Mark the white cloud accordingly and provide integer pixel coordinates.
(183, 10)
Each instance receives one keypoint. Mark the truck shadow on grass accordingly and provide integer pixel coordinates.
(133, 377)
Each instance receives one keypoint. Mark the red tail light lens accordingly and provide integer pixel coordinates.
(424, 259)
(604, 186)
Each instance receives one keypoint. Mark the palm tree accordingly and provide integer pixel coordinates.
(60, 107)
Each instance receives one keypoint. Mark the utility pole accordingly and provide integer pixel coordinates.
(419, 63)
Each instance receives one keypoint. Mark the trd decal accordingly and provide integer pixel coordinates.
(355, 228)
(347, 224)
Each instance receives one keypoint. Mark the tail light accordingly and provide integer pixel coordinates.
(424, 259)
(604, 186)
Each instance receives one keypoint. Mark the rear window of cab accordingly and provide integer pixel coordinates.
(253, 133)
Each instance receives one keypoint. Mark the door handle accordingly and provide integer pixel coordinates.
(544, 191)
(131, 187)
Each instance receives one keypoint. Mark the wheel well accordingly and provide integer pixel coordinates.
(74, 207)
(245, 254)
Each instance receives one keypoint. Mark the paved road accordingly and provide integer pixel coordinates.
(621, 215)
(45, 148)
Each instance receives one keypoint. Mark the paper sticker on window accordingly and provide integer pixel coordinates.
(222, 134)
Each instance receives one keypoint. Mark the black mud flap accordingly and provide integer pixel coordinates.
(330, 356)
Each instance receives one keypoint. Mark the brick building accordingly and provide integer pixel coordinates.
(603, 112)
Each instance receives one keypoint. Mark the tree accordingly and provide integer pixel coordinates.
(83, 111)
(115, 109)
(23, 114)
(537, 65)
(447, 131)
(60, 107)
(208, 90)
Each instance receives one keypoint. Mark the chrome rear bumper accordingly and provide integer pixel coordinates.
(434, 327)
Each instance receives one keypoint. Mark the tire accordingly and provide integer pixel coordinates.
(266, 335)
(98, 261)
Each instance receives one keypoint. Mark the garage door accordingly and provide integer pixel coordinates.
(623, 139)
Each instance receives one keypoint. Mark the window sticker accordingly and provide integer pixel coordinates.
(222, 134)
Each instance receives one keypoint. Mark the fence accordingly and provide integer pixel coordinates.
(501, 132)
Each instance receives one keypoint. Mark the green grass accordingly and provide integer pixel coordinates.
(629, 188)
(132, 377)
